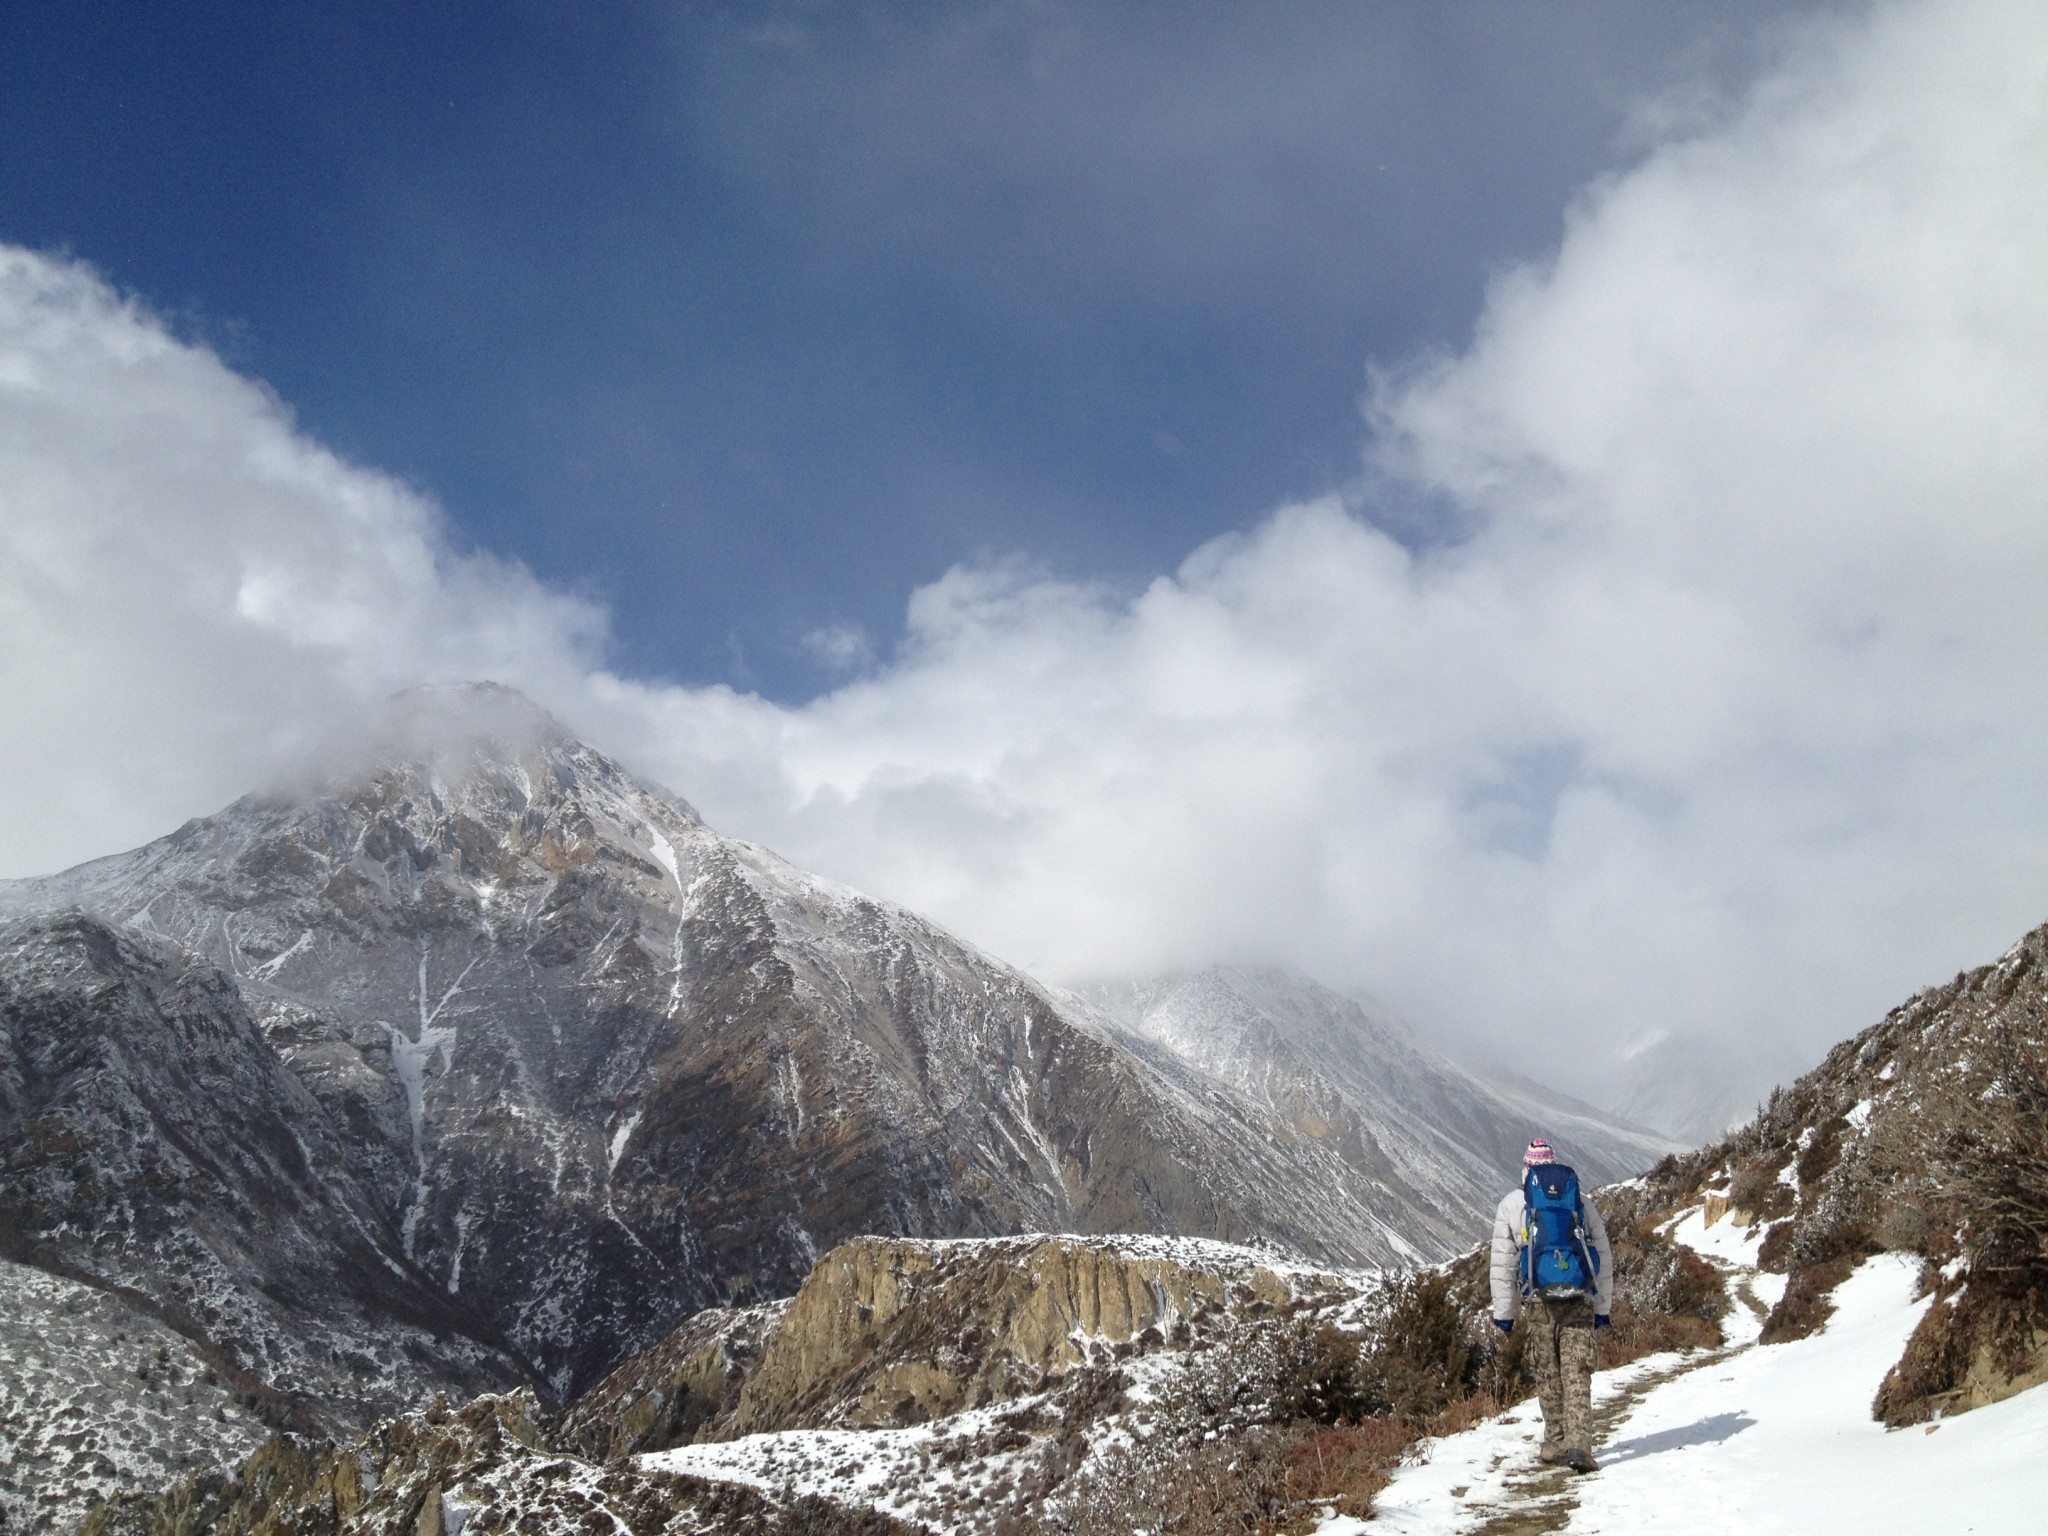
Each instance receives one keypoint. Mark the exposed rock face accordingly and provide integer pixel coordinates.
(155, 1144)
(672, 1393)
(895, 1332)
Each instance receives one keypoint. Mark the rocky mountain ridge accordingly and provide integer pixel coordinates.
(483, 1064)
(1441, 1140)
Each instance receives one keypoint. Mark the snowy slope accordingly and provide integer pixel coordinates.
(1750, 1440)
(1438, 1139)
(97, 1397)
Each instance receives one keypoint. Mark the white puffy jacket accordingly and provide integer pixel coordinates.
(1507, 1255)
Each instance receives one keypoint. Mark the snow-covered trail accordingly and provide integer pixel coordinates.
(1779, 1438)
(1748, 1440)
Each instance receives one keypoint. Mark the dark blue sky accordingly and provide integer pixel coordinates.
(748, 319)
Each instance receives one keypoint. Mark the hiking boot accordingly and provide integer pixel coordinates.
(1581, 1461)
(1550, 1455)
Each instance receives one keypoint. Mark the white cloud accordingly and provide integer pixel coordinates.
(1726, 717)
(190, 590)
(841, 647)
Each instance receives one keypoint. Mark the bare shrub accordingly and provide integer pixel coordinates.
(1808, 1301)
(1422, 1357)
(1973, 1159)
(1343, 1468)
(1219, 1484)
(1983, 1144)
(1757, 1190)
(1666, 1297)
(1636, 1334)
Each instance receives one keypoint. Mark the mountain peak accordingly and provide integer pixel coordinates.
(455, 724)
(481, 746)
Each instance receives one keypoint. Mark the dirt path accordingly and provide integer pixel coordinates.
(1540, 1500)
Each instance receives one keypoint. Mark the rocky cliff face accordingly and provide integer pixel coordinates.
(893, 1332)
(156, 1145)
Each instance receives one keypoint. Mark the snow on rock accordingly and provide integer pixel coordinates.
(97, 1398)
(1720, 1239)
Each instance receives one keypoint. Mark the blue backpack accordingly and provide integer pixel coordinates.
(1556, 1258)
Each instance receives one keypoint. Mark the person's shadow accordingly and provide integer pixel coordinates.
(1708, 1431)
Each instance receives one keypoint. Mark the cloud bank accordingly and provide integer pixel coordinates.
(1720, 714)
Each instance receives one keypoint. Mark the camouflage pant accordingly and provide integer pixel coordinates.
(1558, 1349)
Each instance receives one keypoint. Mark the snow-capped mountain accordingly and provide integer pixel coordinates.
(1867, 1251)
(485, 1061)
(1695, 1090)
(1440, 1141)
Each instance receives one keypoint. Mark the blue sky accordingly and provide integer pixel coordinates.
(747, 320)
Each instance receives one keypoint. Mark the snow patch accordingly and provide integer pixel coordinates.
(270, 967)
(409, 1056)
(1724, 1240)
(665, 851)
(620, 1137)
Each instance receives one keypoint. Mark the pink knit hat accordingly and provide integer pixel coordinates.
(1540, 1151)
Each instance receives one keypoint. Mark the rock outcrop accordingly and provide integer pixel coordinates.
(674, 1392)
(892, 1332)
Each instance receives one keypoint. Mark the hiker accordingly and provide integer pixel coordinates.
(1551, 1263)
